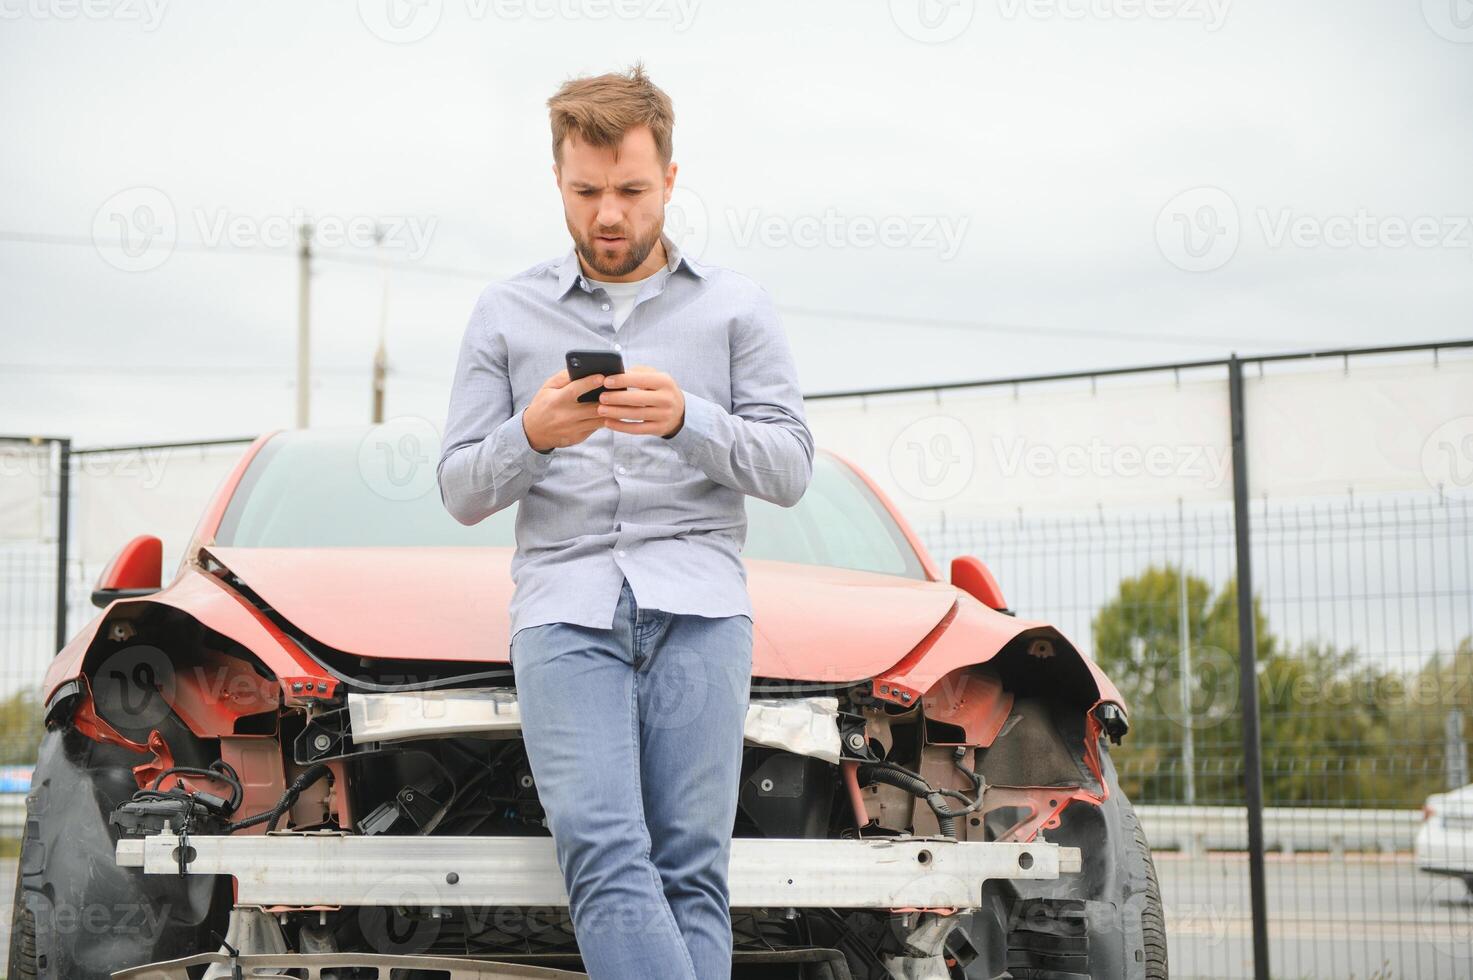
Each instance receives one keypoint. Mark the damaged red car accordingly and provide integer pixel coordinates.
(301, 755)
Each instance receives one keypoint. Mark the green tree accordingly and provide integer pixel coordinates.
(1335, 729)
(20, 728)
(1137, 640)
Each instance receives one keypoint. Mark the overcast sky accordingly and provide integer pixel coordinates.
(933, 191)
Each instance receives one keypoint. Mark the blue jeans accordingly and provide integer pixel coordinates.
(634, 737)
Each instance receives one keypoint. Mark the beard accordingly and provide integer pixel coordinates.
(637, 250)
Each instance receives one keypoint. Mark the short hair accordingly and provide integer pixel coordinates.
(600, 109)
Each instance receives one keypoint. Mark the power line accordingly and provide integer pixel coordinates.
(82, 241)
(817, 313)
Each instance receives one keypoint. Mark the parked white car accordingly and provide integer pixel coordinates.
(1444, 845)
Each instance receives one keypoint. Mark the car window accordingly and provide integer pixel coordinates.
(306, 489)
(838, 522)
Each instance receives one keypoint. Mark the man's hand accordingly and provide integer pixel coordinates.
(556, 418)
(648, 402)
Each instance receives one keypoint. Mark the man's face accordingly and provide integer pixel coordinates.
(614, 202)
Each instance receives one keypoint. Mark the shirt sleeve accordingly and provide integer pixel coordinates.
(486, 463)
(763, 446)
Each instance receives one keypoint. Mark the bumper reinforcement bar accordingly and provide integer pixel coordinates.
(337, 869)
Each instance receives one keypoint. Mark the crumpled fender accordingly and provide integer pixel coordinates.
(971, 633)
(209, 601)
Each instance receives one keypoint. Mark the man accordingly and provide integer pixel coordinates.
(631, 624)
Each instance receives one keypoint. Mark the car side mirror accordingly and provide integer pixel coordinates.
(972, 576)
(137, 569)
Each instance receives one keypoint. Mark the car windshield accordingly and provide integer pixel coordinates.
(307, 489)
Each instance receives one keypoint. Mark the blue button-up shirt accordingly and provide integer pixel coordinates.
(668, 513)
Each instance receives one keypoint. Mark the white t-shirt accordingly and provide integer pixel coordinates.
(622, 295)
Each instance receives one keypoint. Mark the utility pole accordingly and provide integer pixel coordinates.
(304, 318)
(381, 355)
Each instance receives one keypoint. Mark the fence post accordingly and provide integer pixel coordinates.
(63, 509)
(1248, 674)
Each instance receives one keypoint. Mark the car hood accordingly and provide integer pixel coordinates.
(811, 622)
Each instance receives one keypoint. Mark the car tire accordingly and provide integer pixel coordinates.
(1105, 923)
(1153, 914)
(77, 915)
(22, 937)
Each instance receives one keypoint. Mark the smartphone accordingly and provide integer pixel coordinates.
(582, 363)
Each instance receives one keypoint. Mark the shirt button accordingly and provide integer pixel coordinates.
(621, 469)
(617, 347)
(621, 554)
(606, 306)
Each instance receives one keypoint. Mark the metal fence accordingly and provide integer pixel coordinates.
(1283, 738)
(1363, 660)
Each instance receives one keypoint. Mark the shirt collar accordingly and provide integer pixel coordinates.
(570, 271)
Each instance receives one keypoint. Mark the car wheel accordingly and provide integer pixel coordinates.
(1107, 922)
(1153, 914)
(77, 914)
(22, 937)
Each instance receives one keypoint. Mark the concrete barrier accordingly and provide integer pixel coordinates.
(1195, 829)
